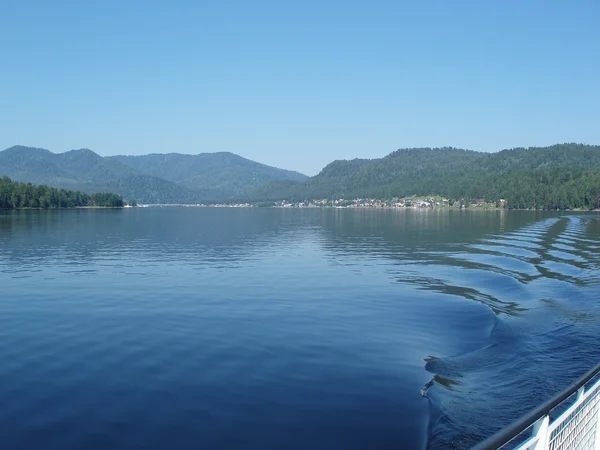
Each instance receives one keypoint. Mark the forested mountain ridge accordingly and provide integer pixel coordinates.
(228, 173)
(453, 173)
(402, 168)
(161, 179)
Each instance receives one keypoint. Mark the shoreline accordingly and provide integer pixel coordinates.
(28, 208)
(247, 206)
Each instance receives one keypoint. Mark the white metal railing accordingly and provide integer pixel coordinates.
(577, 427)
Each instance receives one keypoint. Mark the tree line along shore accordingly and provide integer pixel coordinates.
(18, 195)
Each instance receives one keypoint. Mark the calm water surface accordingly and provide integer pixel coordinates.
(161, 328)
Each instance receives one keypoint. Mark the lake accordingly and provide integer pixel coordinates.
(174, 327)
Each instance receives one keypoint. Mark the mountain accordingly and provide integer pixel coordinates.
(427, 170)
(226, 173)
(445, 171)
(564, 175)
(83, 170)
(156, 178)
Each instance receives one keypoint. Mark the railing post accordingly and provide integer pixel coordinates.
(597, 440)
(538, 420)
(540, 431)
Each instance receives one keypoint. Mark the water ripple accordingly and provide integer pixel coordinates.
(254, 328)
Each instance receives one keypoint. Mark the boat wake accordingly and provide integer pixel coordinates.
(541, 282)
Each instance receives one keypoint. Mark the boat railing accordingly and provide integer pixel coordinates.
(576, 427)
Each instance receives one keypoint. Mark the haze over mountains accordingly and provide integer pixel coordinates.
(564, 175)
(226, 175)
(157, 178)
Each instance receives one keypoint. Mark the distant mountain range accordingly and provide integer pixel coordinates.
(156, 178)
(559, 176)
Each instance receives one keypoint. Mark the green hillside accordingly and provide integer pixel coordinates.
(560, 171)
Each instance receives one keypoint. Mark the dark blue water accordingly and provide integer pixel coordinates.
(161, 328)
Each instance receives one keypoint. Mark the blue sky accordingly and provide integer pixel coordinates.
(297, 84)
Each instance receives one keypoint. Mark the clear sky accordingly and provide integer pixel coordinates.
(297, 84)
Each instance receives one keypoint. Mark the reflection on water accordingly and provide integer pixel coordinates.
(295, 328)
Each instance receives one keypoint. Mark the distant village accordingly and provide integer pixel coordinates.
(430, 202)
(413, 202)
